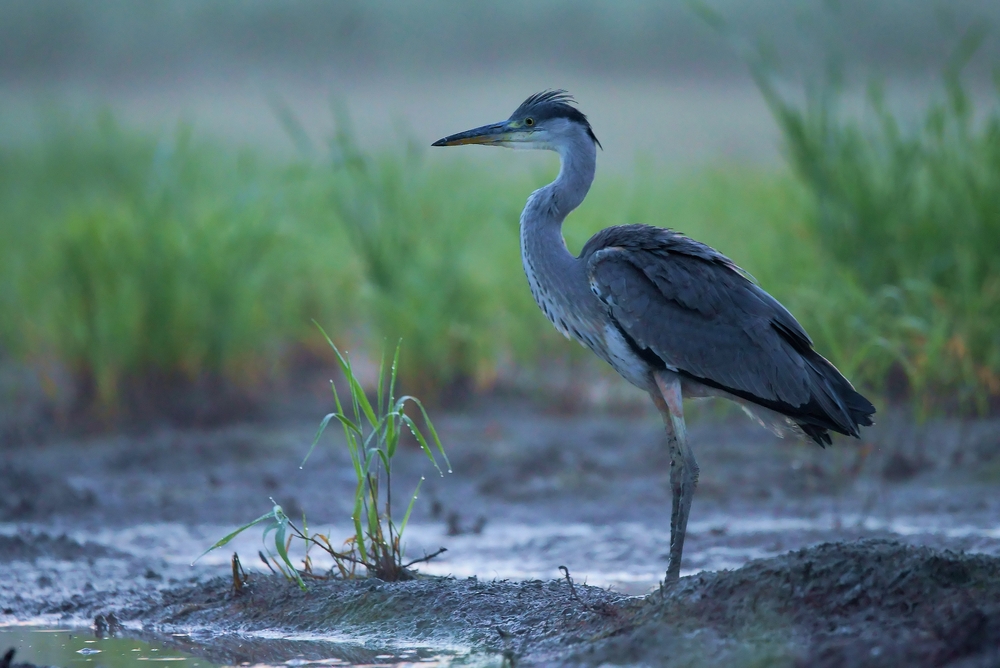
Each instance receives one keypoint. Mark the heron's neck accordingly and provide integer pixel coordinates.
(547, 208)
(557, 279)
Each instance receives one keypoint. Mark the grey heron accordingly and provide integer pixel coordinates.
(673, 316)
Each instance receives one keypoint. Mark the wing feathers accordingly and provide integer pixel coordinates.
(701, 315)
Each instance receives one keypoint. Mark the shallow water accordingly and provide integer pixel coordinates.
(625, 556)
(53, 646)
(80, 647)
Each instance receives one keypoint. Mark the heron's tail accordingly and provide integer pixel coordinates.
(843, 409)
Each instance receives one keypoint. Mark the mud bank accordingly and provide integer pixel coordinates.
(112, 523)
(871, 603)
(867, 603)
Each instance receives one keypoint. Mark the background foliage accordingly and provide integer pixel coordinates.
(138, 260)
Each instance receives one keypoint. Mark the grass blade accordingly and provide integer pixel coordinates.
(393, 370)
(282, 548)
(409, 507)
(225, 539)
(381, 381)
(319, 432)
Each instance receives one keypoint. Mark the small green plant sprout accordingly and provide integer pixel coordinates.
(372, 433)
(283, 532)
(372, 436)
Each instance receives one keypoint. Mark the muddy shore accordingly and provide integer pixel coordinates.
(894, 545)
(866, 603)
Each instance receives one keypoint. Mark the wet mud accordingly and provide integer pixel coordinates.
(864, 603)
(871, 603)
(882, 553)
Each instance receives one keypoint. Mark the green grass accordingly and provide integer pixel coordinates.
(910, 214)
(437, 262)
(372, 432)
(131, 257)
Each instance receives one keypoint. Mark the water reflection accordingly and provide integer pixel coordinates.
(79, 647)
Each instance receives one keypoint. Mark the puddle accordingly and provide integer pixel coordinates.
(79, 647)
(625, 556)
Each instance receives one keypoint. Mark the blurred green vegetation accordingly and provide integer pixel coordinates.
(139, 261)
(911, 213)
(436, 248)
(133, 258)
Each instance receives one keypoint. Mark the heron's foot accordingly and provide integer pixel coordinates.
(673, 574)
(670, 581)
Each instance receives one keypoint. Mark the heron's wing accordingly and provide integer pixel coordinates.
(700, 315)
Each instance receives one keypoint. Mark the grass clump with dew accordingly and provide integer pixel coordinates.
(372, 434)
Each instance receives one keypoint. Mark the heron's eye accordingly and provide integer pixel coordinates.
(529, 122)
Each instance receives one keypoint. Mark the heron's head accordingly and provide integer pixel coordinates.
(546, 120)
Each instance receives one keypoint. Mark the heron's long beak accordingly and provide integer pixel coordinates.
(495, 134)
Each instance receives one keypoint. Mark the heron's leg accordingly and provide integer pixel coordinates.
(683, 467)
